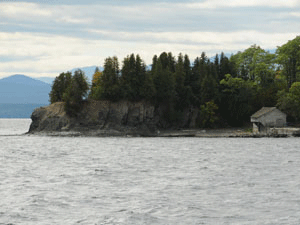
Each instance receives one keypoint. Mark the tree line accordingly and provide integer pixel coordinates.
(224, 90)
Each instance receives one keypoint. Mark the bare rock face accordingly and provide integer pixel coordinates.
(50, 118)
(98, 118)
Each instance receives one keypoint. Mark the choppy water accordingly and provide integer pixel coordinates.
(55, 180)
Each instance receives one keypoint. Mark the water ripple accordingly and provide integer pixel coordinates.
(52, 180)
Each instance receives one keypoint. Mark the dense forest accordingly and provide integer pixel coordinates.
(224, 90)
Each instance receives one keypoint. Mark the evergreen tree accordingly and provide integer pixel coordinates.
(179, 86)
(59, 87)
(97, 70)
(164, 79)
(225, 67)
(171, 62)
(128, 78)
(154, 62)
(209, 85)
(75, 93)
(175, 85)
(147, 90)
(188, 80)
(217, 66)
(187, 70)
(110, 88)
(133, 77)
(199, 72)
(164, 82)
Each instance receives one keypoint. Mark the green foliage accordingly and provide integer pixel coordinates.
(180, 84)
(232, 84)
(132, 83)
(108, 86)
(208, 116)
(255, 64)
(71, 90)
(203, 81)
(197, 74)
(231, 88)
(147, 90)
(133, 78)
(288, 56)
(237, 99)
(224, 68)
(59, 87)
(289, 102)
(164, 80)
(75, 93)
(209, 85)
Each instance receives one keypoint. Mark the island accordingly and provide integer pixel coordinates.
(209, 97)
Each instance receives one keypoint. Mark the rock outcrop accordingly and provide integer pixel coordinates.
(97, 118)
(124, 118)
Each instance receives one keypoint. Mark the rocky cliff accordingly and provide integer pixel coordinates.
(97, 118)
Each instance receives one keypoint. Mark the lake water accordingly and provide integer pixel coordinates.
(79, 180)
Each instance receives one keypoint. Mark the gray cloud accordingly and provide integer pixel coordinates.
(148, 17)
(83, 28)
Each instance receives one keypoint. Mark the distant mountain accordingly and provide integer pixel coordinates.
(48, 80)
(21, 89)
(89, 71)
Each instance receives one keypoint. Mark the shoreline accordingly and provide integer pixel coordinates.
(197, 133)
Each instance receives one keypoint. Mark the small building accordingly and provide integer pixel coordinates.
(267, 117)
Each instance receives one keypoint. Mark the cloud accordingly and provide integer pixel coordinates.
(72, 20)
(209, 4)
(226, 40)
(38, 54)
(295, 14)
(40, 38)
(212, 15)
(23, 10)
(42, 14)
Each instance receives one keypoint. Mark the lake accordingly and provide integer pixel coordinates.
(88, 180)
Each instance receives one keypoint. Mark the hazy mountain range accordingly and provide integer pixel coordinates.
(21, 94)
(21, 89)
(89, 72)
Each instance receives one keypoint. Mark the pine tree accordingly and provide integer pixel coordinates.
(180, 84)
(110, 88)
(224, 66)
(75, 93)
(59, 87)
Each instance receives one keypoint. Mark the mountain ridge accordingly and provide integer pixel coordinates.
(88, 71)
(22, 79)
(22, 89)
(20, 94)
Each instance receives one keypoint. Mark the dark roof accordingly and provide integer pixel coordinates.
(263, 111)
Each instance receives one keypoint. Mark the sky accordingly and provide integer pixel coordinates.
(47, 37)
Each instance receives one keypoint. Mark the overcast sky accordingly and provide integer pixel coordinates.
(46, 37)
